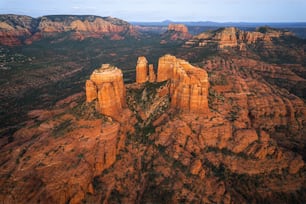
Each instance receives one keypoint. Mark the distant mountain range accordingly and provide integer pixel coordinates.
(299, 28)
(19, 29)
(224, 24)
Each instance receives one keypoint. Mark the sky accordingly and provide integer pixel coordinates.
(160, 10)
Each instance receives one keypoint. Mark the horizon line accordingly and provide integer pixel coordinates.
(161, 21)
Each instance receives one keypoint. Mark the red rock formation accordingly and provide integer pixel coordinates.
(14, 29)
(98, 26)
(13, 37)
(233, 37)
(177, 32)
(189, 84)
(142, 70)
(106, 84)
(165, 67)
(17, 30)
(69, 152)
(152, 75)
(236, 153)
(178, 27)
(91, 91)
(227, 37)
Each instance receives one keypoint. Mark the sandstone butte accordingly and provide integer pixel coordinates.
(189, 84)
(178, 27)
(233, 37)
(178, 32)
(106, 85)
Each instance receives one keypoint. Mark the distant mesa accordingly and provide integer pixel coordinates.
(178, 28)
(233, 37)
(18, 30)
(176, 32)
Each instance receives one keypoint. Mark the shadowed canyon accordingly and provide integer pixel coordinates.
(96, 110)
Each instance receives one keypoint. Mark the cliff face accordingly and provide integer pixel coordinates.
(189, 84)
(142, 70)
(106, 85)
(178, 28)
(227, 38)
(233, 37)
(177, 32)
(152, 75)
(17, 30)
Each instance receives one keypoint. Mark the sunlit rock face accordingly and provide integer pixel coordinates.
(106, 85)
(19, 29)
(142, 70)
(231, 37)
(189, 84)
(152, 75)
(178, 32)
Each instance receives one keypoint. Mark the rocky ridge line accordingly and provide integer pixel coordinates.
(18, 30)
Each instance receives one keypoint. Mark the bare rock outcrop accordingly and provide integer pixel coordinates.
(227, 38)
(178, 27)
(189, 84)
(106, 85)
(177, 32)
(15, 28)
(18, 30)
(71, 148)
(152, 75)
(235, 38)
(142, 70)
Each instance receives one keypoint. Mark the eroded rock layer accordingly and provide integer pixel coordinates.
(142, 70)
(18, 30)
(189, 84)
(106, 85)
(233, 37)
(176, 32)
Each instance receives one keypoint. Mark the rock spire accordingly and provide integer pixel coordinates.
(106, 85)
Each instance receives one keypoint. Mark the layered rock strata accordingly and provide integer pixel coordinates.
(106, 85)
(177, 32)
(13, 29)
(189, 84)
(227, 38)
(18, 30)
(70, 150)
(142, 70)
(152, 75)
(178, 27)
(233, 37)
